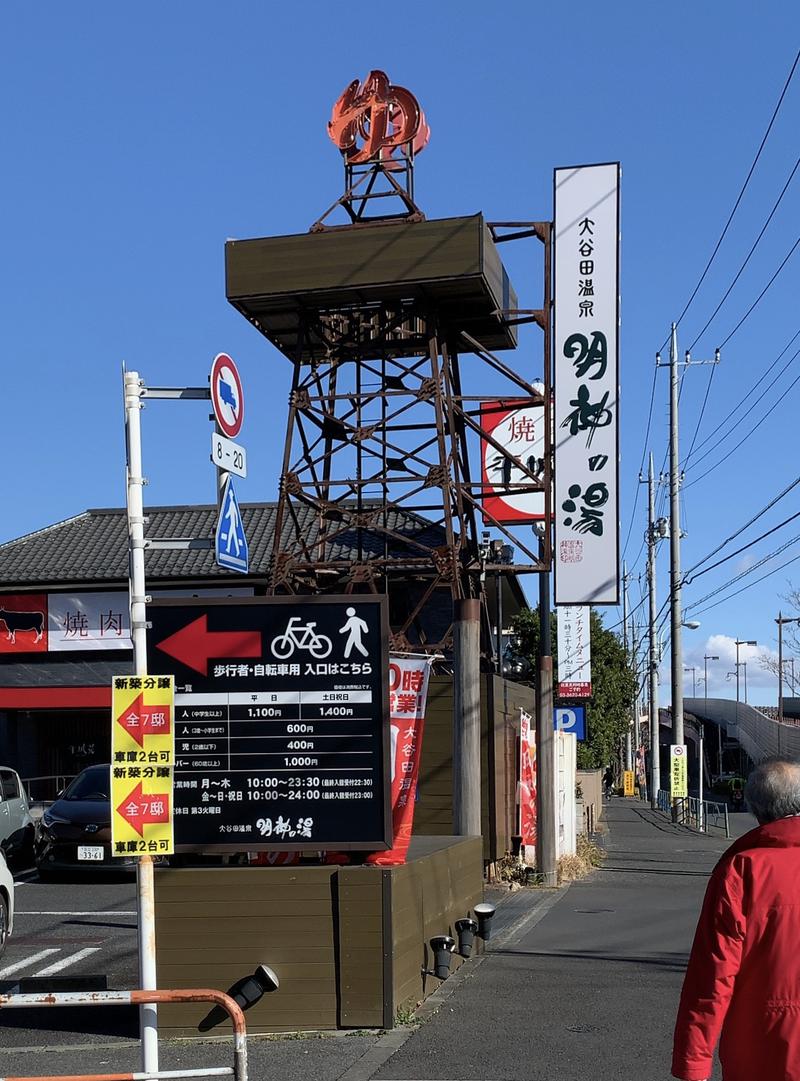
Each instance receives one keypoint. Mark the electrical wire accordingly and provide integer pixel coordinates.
(641, 465)
(752, 307)
(749, 585)
(747, 571)
(756, 242)
(738, 551)
(745, 437)
(742, 191)
(749, 394)
(741, 529)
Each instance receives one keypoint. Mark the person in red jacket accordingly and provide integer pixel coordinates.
(742, 984)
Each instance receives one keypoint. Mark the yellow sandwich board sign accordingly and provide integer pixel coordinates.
(627, 782)
(678, 776)
(142, 759)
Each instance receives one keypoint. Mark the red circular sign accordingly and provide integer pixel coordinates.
(227, 396)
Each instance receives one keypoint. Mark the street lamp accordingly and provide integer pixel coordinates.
(706, 658)
(691, 668)
(780, 621)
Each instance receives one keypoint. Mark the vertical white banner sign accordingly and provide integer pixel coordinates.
(574, 652)
(586, 362)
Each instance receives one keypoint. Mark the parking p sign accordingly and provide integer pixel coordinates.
(570, 719)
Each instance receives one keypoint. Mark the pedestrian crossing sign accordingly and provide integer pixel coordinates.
(231, 551)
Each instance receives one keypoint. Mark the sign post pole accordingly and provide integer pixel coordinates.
(145, 892)
(467, 720)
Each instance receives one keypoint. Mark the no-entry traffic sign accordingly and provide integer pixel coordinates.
(227, 396)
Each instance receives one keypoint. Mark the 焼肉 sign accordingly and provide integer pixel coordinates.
(281, 721)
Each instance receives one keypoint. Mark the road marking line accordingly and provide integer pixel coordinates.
(122, 912)
(65, 962)
(9, 969)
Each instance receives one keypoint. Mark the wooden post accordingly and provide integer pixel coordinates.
(467, 719)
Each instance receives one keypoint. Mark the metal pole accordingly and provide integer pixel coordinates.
(148, 1016)
(498, 585)
(701, 816)
(545, 740)
(780, 677)
(626, 644)
(655, 752)
(744, 665)
(675, 544)
(467, 719)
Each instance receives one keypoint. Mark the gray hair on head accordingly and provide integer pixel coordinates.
(773, 789)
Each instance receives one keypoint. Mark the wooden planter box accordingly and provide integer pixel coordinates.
(348, 943)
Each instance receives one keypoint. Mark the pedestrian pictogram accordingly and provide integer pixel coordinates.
(142, 754)
(231, 542)
(355, 628)
(227, 396)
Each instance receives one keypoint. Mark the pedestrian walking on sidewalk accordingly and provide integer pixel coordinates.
(743, 979)
(608, 783)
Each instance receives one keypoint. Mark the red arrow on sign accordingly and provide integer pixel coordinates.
(140, 810)
(194, 644)
(140, 720)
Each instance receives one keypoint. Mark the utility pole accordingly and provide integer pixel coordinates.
(676, 613)
(676, 644)
(145, 889)
(693, 669)
(467, 719)
(780, 621)
(626, 644)
(545, 739)
(655, 752)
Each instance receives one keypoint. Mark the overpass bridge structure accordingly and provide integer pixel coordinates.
(757, 734)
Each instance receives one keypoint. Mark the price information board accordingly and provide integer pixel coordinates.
(281, 721)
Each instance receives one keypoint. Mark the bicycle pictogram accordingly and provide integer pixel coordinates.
(300, 636)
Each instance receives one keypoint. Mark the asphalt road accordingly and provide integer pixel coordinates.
(586, 989)
(79, 934)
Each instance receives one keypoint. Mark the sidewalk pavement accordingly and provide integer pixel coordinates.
(579, 984)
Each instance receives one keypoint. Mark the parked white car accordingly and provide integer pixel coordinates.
(6, 903)
(16, 824)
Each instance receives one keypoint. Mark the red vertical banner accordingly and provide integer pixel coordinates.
(527, 780)
(408, 694)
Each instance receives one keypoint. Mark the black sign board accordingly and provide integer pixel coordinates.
(281, 721)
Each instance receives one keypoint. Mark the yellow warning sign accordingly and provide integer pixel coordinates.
(627, 782)
(142, 759)
(678, 772)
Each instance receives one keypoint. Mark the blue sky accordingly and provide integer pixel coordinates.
(139, 137)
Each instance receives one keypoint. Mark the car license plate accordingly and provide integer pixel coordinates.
(90, 852)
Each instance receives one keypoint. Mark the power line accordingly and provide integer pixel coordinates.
(749, 394)
(788, 256)
(641, 465)
(741, 529)
(739, 272)
(741, 193)
(744, 548)
(747, 571)
(744, 438)
(749, 585)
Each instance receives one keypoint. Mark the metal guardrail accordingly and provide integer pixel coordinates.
(701, 815)
(46, 789)
(137, 998)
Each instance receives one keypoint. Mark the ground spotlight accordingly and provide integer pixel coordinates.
(485, 912)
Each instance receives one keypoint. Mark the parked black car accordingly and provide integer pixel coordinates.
(74, 833)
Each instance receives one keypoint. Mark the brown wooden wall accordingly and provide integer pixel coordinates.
(430, 894)
(500, 702)
(347, 943)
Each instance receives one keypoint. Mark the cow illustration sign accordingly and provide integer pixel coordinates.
(281, 721)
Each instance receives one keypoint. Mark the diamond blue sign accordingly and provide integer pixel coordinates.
(570, 719)
(231, 544)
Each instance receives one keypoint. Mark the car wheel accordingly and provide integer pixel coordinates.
(3, 923)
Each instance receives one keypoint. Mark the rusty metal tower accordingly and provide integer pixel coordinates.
(386, 321)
